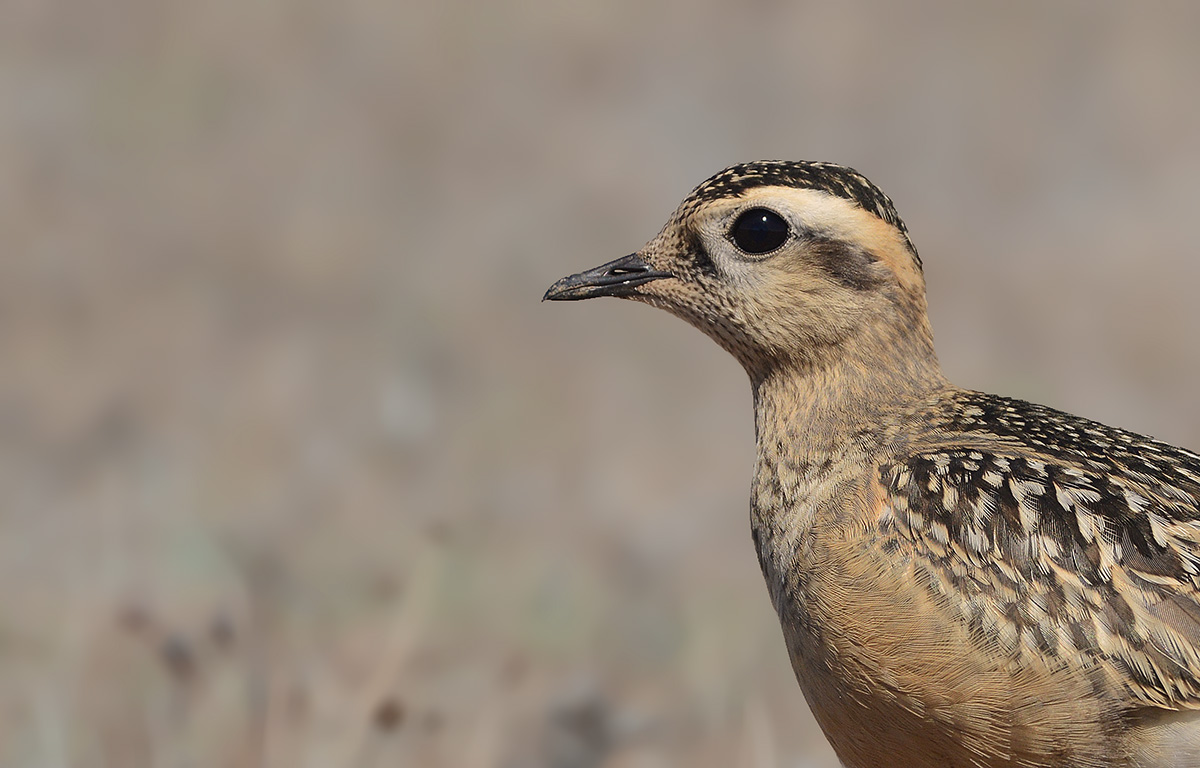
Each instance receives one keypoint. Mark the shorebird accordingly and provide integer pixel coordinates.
(963, 580)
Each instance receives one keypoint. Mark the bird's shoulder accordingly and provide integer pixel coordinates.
(1056, 537)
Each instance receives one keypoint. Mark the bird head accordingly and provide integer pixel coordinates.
(779, 262)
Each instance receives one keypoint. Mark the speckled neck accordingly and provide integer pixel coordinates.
(817, 429)
(815, 424)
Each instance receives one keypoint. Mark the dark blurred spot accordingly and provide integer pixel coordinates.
(177, 656)
(516, 666)
(135, 619)
(296, 703)
(115, 427)
(439, 532)
(389, 714)
(221, 632)
(384, 587)
(580, 731)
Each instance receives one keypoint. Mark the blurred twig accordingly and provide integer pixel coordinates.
(410, 620)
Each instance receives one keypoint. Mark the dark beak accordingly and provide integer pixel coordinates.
(615, 278)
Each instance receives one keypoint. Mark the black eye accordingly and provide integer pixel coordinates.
(759, 231)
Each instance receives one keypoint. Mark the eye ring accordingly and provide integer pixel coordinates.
(759, 231)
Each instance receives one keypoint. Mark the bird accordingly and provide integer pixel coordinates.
(963, 580)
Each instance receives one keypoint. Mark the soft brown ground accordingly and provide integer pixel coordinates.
(296, 470)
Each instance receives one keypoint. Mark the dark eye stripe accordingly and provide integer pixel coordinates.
(850, 265)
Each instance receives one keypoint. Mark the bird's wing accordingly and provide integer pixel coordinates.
(1087, 564)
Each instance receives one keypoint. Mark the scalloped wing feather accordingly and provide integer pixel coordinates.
(1095, 567)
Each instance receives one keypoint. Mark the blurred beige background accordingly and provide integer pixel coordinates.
(297, 471)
